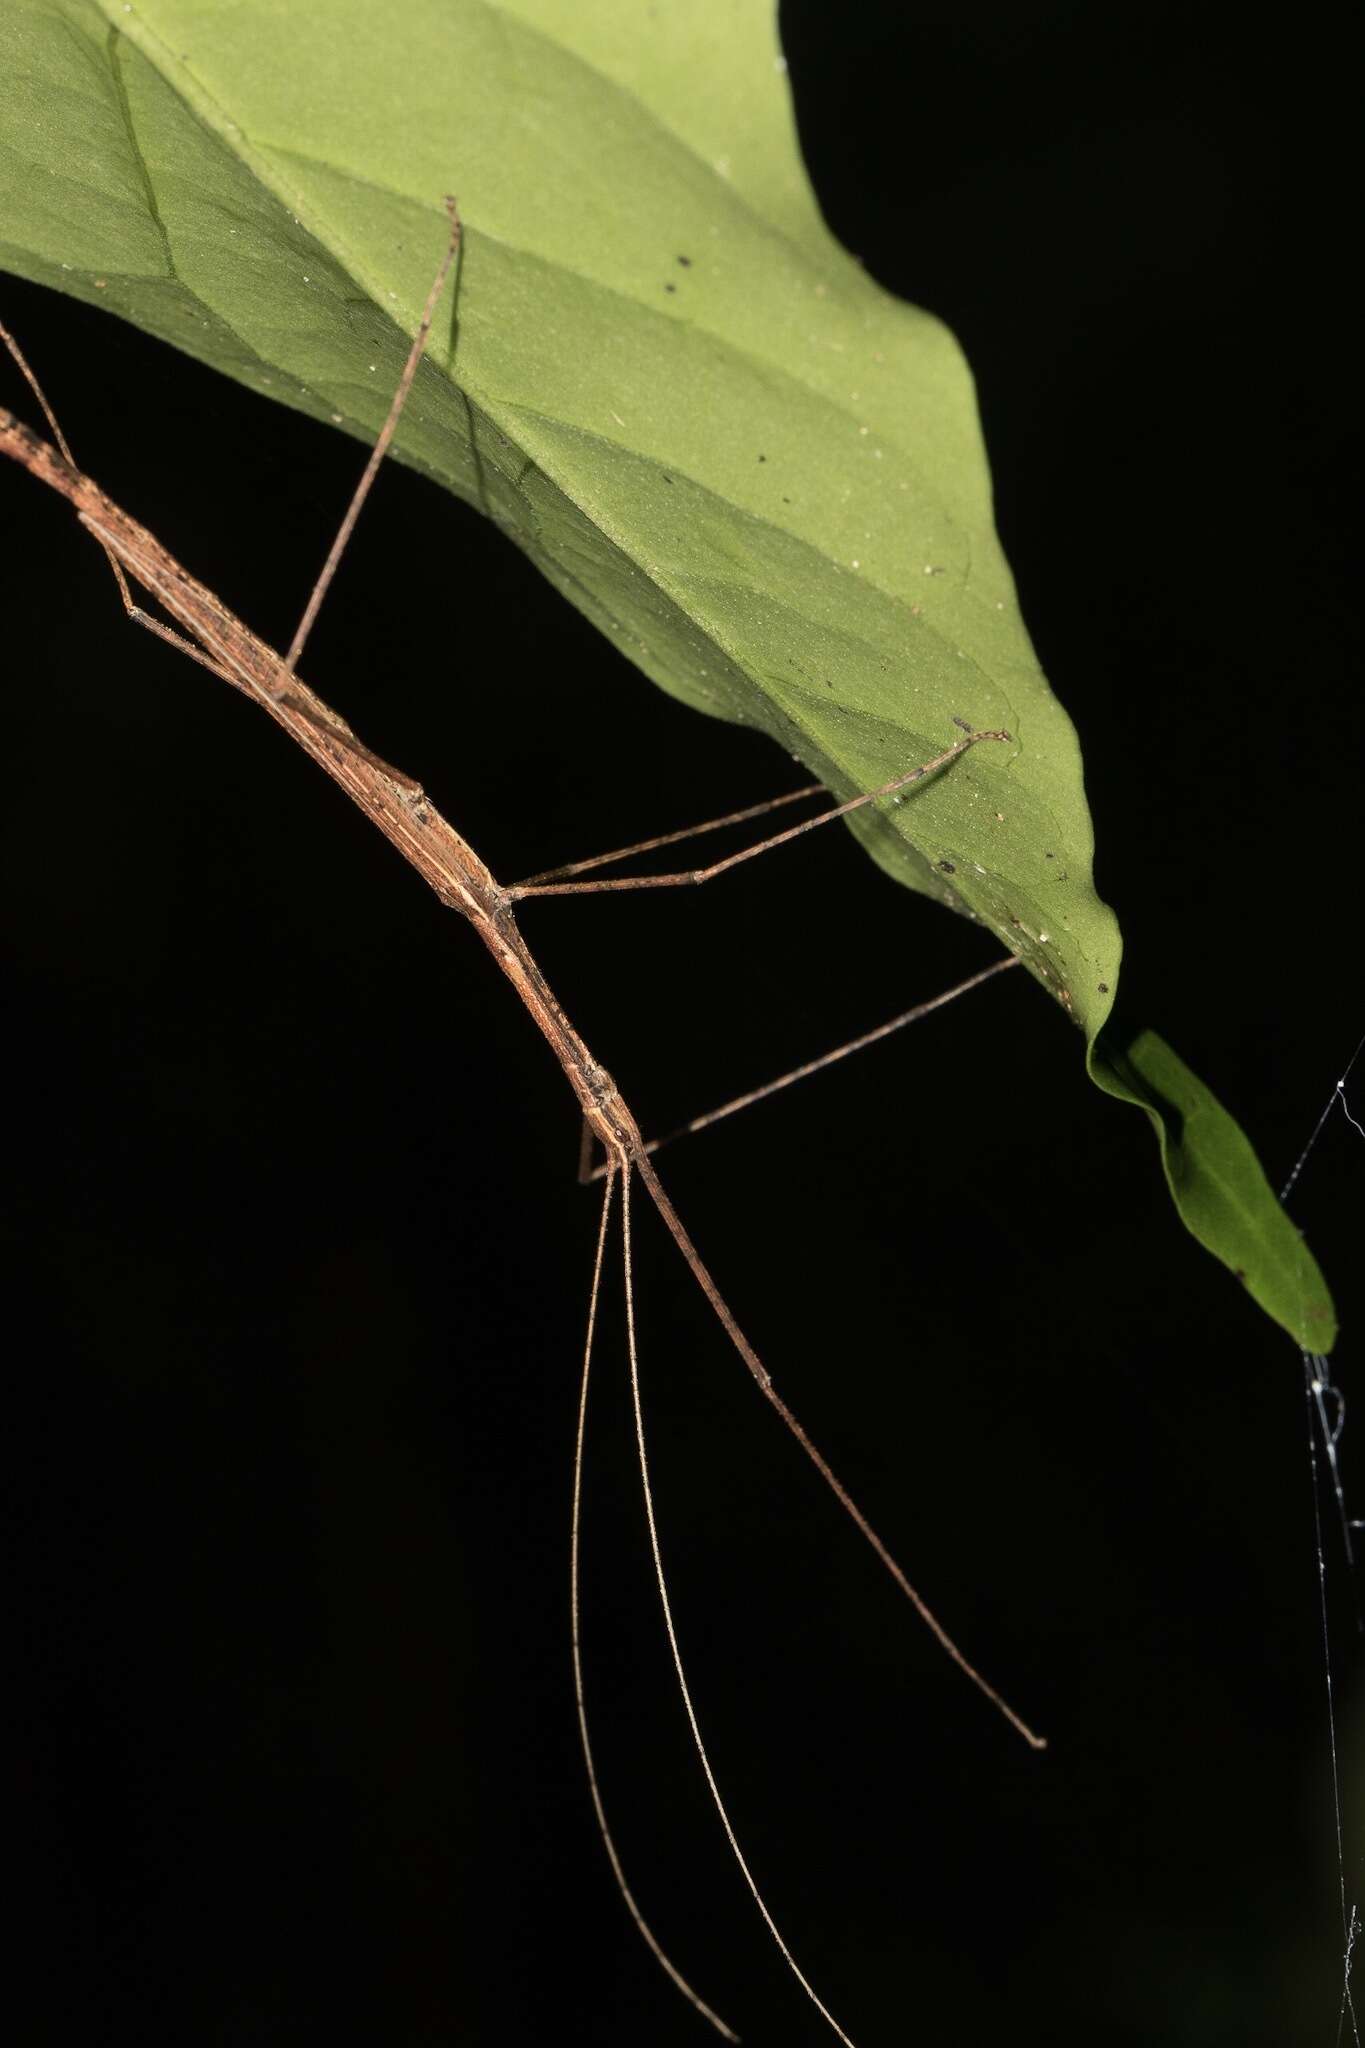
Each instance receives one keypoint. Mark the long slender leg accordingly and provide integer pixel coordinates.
(688, 876)
(816, 1066)
(603, 860)
(380, 448)
(679, 1672)
(180, 642)
(646, 1933)
(846, 1501)
(133, 611)
(30, 377)
(263, 678)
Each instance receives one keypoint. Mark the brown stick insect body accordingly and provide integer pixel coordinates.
(397, 804)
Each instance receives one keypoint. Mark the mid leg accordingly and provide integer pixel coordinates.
(687, 876)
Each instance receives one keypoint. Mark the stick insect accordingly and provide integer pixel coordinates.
(205, 631)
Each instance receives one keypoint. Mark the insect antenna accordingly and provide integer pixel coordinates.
(679, 1672)
(646, 1933)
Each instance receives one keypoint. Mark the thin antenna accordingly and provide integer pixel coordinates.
(380, 448)
(678, 1671)
(645, 1931)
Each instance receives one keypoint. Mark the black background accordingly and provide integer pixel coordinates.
(299, 1264)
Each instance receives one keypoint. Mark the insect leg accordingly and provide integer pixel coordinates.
(688, 876)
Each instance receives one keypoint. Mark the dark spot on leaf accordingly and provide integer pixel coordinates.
(962, 724)
(686, 262)
(762, 458)
(670, 287)
(667, 479)
(947, 867)
(1241, 1272)
(1103, 987)
(1049, 856)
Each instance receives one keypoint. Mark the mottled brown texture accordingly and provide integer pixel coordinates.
(397, 804)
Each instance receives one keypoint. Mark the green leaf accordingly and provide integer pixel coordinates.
(1217, 1182)
(760, 475)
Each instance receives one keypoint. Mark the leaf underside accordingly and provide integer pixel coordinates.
(760, 475)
